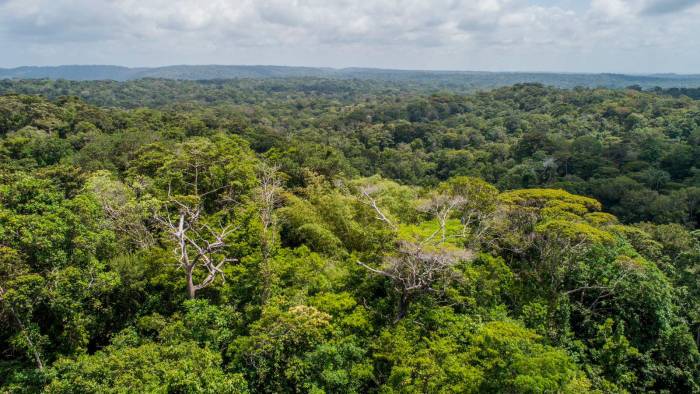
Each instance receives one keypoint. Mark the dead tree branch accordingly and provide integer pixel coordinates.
(198, 245)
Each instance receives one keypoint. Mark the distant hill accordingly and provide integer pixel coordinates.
(119, 73)
(447, 79)
(76, 73)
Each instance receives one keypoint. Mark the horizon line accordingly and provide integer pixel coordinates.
(427, 70)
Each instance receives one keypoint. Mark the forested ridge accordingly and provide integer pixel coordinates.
(459, 80)
(314, 235)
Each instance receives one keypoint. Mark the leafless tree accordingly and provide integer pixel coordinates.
(442, 207)
(418, 267)
(415, 270)
(476, 220)
(478, 226)
(267, 196)
(199, 246)
(367, 197)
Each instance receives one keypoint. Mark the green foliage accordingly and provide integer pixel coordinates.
(464, 357)
(555, 199)
(274, 353)
(543, 238)
(183, 368)
(574, 231)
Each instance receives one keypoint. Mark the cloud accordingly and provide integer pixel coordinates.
(452, 34)
(663, 7)
(272, 21)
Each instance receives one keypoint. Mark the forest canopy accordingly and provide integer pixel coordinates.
(328, 236)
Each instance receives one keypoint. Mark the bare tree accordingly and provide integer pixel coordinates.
(367, 196)
(198, 245)
(267, 196)
(442, 207)
(418, 267)
(415, 270)
(476, 220)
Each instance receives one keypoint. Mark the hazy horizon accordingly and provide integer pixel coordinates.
(596, 36)
(446, 70)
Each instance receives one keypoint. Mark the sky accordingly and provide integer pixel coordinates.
(628, 36)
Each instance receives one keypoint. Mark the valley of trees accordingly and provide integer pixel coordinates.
(328, 236)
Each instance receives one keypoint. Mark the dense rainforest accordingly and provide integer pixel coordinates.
(347, 236)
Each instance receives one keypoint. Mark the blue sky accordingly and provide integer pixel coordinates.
(631, 36)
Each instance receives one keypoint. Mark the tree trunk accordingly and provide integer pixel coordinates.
(35, 352)
(265, 269)
(267, 282)
(404, 302)
(191, 290)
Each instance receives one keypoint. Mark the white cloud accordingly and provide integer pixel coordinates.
(607, 35)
